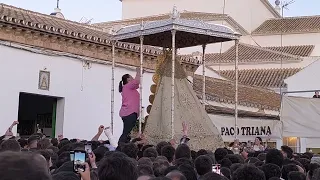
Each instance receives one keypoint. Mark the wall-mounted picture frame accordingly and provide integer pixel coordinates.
(44, 80)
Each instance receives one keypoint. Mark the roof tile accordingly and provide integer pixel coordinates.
(267, 78)
(62, 27)
(42, 22)
(302, 24)
(224, 91)
(300, 50)
(252, 54)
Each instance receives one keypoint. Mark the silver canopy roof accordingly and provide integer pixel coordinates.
(188, 33)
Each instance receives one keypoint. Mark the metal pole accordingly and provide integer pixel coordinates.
(204, 76)
(281, 44)
(141, 80)
(112, 85)
(236, 86)
(306, 91)
(173, 32)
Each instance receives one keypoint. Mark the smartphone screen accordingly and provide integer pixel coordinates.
(88, 148)
(216, 168)
(72, 155)
(79, 160)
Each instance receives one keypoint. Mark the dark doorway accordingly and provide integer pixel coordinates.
(36, 113)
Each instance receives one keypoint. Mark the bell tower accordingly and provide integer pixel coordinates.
(141, 8)
(57, 11)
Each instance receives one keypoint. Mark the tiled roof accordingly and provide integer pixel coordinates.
(302, 50)
(184, 15)
(224, 91)
(50, 24)
(241, 113)
(250, 54)
(267, 78)
(302, 24)
(47, 23)
(53, 25)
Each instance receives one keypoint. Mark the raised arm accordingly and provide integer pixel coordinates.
(138, 73)
(9, 131)
(109, 134)
(134, 84)
(185, 139)
(100, 131)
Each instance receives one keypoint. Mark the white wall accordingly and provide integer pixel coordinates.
(291, 39)
(84, 110)
(305, 80)
(249, 13)
(208, 72)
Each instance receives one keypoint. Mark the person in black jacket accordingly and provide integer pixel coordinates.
(316, 94)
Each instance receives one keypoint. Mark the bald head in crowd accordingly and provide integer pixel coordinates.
(176, 175)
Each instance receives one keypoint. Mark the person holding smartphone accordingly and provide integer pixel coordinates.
(129, 111)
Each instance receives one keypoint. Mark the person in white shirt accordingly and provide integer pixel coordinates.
(258, 144)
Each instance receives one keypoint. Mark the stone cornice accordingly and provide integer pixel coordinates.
(98, 51)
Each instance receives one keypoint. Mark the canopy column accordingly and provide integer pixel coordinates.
(173, 32)
(204, 75)
(112, 85)
(236, 86)
(141, 80)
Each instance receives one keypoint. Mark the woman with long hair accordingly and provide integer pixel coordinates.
(129, 111)
(258, 146)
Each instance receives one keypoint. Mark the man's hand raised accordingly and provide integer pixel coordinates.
(101, 128)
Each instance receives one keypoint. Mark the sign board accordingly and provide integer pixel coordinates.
(248, 128)
(300, 117)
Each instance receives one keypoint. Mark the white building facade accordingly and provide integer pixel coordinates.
(83, 94)
(303, 84)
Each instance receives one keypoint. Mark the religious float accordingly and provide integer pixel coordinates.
(174, 100)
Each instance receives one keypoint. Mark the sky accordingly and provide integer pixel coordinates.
(109, 10)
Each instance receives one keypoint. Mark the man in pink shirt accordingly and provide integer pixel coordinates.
(129, 111)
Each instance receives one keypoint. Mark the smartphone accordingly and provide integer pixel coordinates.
(88, 148)
(216, 168)
(79, 160)
(72, 155)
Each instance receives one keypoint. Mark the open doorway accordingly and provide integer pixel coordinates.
(37, 113)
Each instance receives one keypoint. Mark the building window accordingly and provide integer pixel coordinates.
(292, 142)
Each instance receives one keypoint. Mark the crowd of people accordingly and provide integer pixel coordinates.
(42, 158)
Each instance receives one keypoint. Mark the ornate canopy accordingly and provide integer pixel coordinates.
(188, 33)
